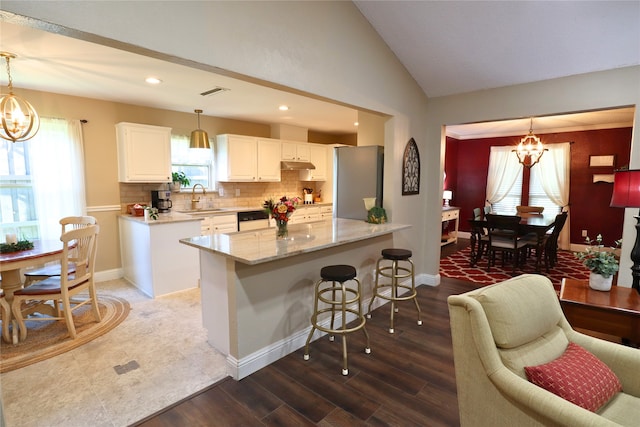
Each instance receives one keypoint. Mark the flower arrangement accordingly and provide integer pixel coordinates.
(280, 211)
(599, 260)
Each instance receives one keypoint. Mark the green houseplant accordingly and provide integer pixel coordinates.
(180, 179)
(601, 262)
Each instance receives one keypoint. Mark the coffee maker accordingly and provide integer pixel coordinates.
(161, 200)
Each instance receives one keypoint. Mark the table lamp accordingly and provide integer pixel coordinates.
(626, 194)
(447, 195)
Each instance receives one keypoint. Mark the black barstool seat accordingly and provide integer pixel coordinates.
(396, 254)
(338, 273)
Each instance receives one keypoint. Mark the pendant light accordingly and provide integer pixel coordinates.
(19, 120)
(199, 138)
(530, 148)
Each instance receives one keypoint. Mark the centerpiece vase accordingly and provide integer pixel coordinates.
(281, 229)
(599, 282)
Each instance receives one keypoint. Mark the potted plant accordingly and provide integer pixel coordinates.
(179, 180)
(602, 263)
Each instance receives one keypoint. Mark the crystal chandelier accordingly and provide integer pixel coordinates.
(20, 121)
(530, 149)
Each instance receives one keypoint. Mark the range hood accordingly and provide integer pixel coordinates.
(292, 165)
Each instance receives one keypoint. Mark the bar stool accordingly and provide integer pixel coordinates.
(332, 291)
(394, 271)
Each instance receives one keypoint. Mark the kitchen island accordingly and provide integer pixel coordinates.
(257, 292)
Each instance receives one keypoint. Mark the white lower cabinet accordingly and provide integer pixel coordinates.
(224, 224)
(218, 224)
(154, 260)
(306, 214)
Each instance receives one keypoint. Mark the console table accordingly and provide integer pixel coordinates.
(615, 312)
(450, 213)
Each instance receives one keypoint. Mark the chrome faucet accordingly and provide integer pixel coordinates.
(194, 201)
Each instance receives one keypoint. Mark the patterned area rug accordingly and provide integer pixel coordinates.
(46, 339)
(457, 266)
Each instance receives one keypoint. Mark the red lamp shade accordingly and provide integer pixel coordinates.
(626, 189)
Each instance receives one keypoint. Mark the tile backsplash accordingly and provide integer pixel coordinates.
(250, 194)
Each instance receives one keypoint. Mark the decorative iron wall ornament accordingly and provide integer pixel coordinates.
(411, 169)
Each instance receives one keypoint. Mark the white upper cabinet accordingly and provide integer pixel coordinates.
(297, 151)
(319, 156)
(247, 159)
(144, 153)
(268, 159)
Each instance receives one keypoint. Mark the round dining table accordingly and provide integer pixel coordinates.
(11, 264)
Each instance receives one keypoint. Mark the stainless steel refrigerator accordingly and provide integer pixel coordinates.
(358, 173)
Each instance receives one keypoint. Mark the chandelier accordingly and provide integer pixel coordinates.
(20, 121)
(199, 137)
(530, 149)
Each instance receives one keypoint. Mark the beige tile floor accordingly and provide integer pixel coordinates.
(164, 336)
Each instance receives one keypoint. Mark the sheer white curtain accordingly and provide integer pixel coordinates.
(503, 172)
(57, 171)
(553, 171)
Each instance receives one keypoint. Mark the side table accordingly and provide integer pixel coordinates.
(615, 312)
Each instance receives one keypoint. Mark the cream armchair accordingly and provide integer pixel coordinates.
(498, 330)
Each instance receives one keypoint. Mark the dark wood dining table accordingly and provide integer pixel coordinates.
(11, 264)
(533, 224)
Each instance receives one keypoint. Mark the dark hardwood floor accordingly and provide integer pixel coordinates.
(407, 380)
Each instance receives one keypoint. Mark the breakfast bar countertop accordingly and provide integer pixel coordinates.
(260, 246)
(163, 218)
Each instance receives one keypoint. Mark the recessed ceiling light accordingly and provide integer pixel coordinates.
(356, 123)
(283, 107)
(153, 80)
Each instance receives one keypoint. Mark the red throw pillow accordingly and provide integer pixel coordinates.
(577, 376)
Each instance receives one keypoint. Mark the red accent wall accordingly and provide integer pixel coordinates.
(467, 161)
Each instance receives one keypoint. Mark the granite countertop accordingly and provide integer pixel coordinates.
(235, 209)
(163, 218)
(259, 246)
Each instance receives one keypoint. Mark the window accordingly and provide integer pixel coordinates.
(508, 186)
(512, 199)
(196, 163)
(537, 195)
(42, 180)
(17, 205)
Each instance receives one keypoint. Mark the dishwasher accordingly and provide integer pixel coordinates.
(252, 220)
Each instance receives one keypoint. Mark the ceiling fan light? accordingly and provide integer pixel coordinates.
(199, 137)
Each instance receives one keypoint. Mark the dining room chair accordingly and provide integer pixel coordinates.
(480, 235)
(504, 238)
(79, 249)
(67, 223)
(525, 211)
(549, 245)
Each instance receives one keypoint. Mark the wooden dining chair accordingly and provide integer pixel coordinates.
(79, 249)
(503, 237)
(525, 211)
(67, 223)
(481, 237)
(549, 245)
